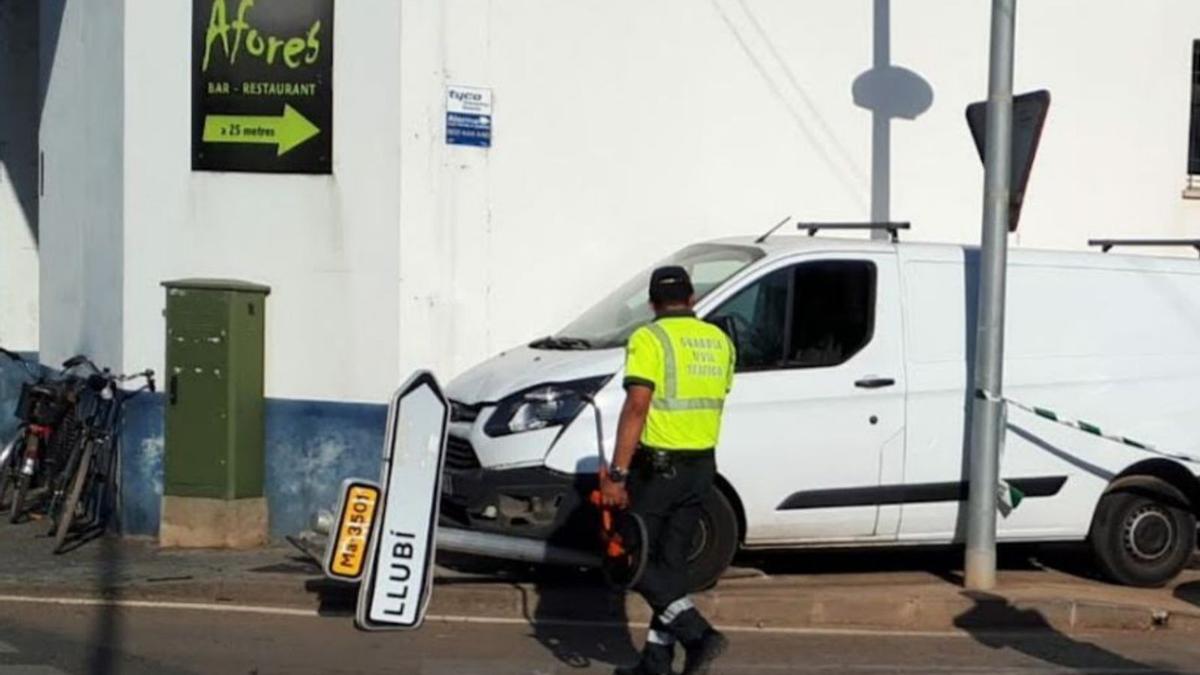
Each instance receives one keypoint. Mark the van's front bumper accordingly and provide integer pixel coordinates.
(532, 502)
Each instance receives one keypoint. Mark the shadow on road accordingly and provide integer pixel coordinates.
(334, 598)
(945, 562)
(1033, 635)
(554, 599)
(104, 641)
(558, 595)
(1189, 592)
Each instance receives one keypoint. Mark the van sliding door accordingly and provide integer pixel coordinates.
(813, 431)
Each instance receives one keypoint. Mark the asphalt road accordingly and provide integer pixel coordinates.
(47, 639)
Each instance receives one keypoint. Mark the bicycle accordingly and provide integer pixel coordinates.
(87, 484)
(43, 405)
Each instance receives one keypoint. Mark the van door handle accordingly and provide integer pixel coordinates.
(874, 382)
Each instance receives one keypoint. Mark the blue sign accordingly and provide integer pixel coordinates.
(469, 129)
(468, 116)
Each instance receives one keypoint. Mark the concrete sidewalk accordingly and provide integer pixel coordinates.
(917, 591)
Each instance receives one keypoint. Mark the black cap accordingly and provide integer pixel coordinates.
(670, 284)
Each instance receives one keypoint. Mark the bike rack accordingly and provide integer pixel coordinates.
(1107, 245)
(892, 228)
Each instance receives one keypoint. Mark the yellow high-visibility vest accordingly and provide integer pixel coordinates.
(689, 364)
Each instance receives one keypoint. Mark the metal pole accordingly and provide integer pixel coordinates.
(986, 430)
(506, 547)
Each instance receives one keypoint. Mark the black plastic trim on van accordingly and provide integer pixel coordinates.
(917, 493)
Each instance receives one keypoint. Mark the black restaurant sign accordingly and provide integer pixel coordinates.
(262, 85)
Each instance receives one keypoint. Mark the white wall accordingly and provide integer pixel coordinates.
(624, 129)
(327, 245)
(80, 213)
(18, 174)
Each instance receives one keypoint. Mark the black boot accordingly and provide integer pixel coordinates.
(656, 660)
(703, 651)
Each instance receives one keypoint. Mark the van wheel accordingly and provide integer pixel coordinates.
(1143, 533)
(715, 542)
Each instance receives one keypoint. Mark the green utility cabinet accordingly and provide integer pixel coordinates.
(214, 389)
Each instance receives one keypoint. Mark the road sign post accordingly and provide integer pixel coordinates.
(398, 579)
(1029, 111)
(987, 417)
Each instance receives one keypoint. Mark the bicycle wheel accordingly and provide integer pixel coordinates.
(59, 484)
(8, 473)
(78, 485)
(104, 502)
(18, 504)
(22, 480)
(4, 482)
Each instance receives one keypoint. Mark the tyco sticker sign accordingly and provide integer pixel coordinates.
(468, 116)
(262, 89)
(399, 576)
(346, 554)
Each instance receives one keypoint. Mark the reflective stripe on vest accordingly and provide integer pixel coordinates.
(670, 377)
(670, 399)
(687, 404)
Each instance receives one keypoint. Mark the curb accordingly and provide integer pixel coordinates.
(817, 611)
(744, 607)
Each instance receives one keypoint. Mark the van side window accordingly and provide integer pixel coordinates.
(756, 316)
(813, 315)
(833, 312)
(1194, 128)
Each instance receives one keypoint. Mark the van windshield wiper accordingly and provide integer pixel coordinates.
(557, 342)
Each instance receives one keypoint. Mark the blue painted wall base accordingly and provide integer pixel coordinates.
(12, 375)
(311, 447)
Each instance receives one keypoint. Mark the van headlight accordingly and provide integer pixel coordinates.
(546, 405)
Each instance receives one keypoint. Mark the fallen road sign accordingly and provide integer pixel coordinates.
(398, 579)
(349, 543)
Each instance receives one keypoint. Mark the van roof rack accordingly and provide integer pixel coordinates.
(892, 228)
(1107, 244)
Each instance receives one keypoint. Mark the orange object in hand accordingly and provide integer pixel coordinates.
(614, 545)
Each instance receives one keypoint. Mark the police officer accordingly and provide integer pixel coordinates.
(678, 370)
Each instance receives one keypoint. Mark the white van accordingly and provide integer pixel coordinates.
(847, 424)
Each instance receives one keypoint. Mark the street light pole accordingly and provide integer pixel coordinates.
(988, 417)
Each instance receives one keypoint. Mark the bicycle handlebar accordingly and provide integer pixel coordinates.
(78, 360)
(103, 378)
(147, 374)
(83, 360)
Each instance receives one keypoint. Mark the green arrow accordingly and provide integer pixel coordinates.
(286, 131)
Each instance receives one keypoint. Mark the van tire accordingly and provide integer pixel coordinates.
(1143, 532)
(715, 544)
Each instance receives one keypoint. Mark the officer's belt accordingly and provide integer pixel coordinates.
(680, 453)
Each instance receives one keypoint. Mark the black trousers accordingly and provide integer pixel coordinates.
(670, 503)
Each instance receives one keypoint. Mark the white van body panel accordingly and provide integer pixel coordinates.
(1111, 339)
(575, 450)
(524, 367)
(1114, 340)
(807, 430)
(510, 372)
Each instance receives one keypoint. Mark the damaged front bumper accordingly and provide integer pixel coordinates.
(529, 502)
(529, 514)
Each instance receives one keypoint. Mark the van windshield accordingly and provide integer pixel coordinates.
(610, 322)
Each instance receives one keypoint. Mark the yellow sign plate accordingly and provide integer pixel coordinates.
(349, 550)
